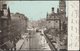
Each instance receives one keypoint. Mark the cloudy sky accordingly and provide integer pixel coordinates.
(34, 10)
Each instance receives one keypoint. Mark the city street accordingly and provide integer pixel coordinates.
(35, 26)
(35, 42)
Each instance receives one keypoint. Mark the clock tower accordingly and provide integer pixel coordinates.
(62, 6)
(62, 16)
(62, 10)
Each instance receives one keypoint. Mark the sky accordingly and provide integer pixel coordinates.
(34, 10)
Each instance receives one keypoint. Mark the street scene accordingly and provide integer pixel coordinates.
(35, 42)
(33, 26)
(30, 33)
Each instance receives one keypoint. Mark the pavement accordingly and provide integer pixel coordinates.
(25, 45)
(44, 43)
(19, 44)
(34, 42)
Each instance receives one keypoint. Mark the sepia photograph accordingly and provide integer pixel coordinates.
(34, 25)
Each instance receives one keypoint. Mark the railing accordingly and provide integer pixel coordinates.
(50, 43)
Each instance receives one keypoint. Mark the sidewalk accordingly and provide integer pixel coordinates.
(44, 43)
(19, 44)
(46, 46)
(25, 46)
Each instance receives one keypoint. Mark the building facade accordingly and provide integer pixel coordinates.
(53, 21)
(4, 25)
(58, 20)
(19, 23)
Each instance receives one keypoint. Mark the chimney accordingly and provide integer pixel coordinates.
(52, 9)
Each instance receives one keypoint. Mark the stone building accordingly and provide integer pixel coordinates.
(58, 21)
(57, 25)
(4, 24)
(53, 20)
(18, 26)
(19, 23)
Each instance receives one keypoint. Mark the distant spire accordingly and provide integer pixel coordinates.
(52, 9)
(47, 15)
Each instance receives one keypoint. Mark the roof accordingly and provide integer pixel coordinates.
(53, 16)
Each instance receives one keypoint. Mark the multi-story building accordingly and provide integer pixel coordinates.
(4, 25)
(50, 19)
(18, 27)
(58, 20)
(19, 22)
(53, 21)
